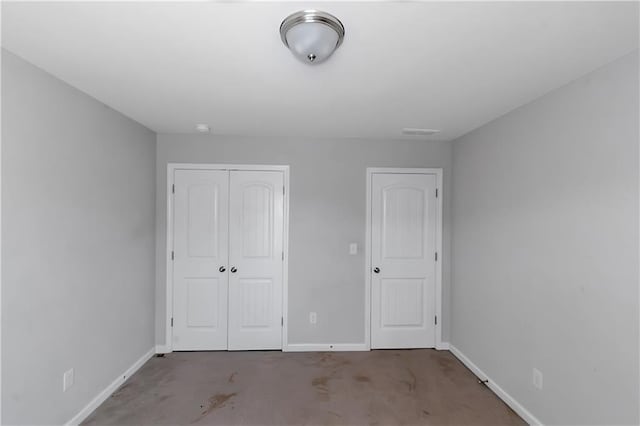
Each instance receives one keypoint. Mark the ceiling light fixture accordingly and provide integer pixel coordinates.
(312, 35)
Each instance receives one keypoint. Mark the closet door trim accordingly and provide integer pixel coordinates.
(171, 168)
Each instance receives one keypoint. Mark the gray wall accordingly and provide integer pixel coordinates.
(545, 249)
(327, 212)
(78, 188)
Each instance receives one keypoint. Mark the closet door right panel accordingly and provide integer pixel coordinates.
(256, 216)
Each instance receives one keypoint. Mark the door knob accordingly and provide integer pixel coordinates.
(376, 270)
(233, 269)
(222, 269)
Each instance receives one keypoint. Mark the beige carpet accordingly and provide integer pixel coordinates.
(391, 387)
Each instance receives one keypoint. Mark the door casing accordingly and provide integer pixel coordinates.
(171, 168)
(438, 267)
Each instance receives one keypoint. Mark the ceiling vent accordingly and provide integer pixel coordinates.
(419, 132)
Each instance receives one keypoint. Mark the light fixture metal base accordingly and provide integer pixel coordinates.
(311, 16)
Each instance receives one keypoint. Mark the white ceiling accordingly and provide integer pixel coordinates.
(441, 65)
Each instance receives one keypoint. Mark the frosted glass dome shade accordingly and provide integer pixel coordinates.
(312, 42)
(312, 36)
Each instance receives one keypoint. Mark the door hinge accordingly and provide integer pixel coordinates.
(436, 192)
(436, 318)
(172, 255)
(282, 255)
(171, 322)
(436, 256)
(173, 188)
(282, 321)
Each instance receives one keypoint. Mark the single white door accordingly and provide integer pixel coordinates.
(200, 270)
(256, 259)
(403, 247)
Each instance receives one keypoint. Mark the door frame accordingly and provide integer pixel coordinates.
(438, 344)
(171, 168)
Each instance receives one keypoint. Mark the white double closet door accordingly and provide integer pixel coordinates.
(227, 259)
(403, 260)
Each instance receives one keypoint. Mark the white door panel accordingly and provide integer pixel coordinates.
(200, 250)
(401, 302)
(403, 237)
(256, 255)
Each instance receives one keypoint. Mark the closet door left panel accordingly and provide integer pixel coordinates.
(200, 273)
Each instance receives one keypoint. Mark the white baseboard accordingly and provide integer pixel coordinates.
(325, 347)
(163, 349)
(102, 396)
(501, 393)
(442, 346)
(316, 347)
(336, 347)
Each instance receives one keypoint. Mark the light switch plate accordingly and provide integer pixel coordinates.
(353, 248)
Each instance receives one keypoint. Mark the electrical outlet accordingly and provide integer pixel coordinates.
(537, 379)
(313, 317)
(67, 379)
(353, 248)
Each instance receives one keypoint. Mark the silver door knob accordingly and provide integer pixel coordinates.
(233, 269)
(376, 270)
(222, 269)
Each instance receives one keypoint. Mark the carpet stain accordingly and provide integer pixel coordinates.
(232, 376)
(216, 401)
(123, 389)
(322, 387)
(320, 382)
(161, 399)
(411, 383)
(361, 378)
(330, 360)
(447, 365)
